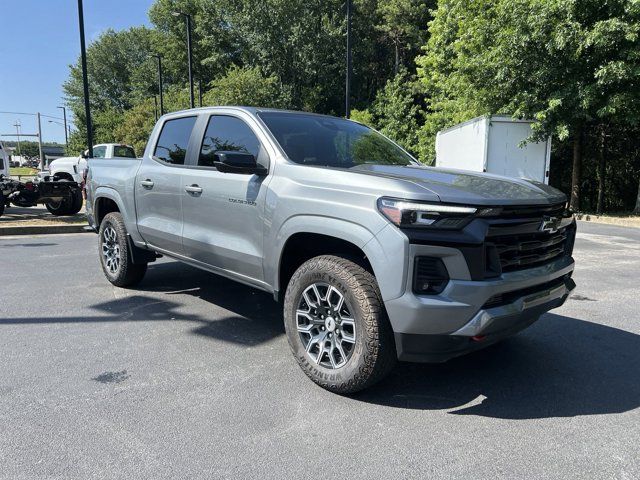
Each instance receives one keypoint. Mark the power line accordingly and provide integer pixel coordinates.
(51, 116)
(32, 114)
(20, 113)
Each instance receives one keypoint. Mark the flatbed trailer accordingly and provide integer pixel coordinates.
(60, 197)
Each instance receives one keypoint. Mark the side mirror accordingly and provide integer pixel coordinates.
(238, 162)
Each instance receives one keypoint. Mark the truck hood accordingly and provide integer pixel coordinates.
(461, 186)
(66, 161)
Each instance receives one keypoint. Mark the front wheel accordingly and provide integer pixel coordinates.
(115, 256)
(337, 326)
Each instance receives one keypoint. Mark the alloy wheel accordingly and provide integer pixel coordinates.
(325, 325)
(111, 249)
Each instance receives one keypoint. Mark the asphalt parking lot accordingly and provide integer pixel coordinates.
(190, 375)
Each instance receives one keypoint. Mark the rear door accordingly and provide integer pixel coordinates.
(223, 224)
(159, 187)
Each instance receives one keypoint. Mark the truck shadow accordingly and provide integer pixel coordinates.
(559, 367)
(255, 317)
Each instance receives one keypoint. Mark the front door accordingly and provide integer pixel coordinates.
(159, 187)
(222, 212)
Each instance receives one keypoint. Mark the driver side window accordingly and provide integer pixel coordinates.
(226, 133)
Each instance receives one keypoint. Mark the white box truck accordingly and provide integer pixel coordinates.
(493, 144)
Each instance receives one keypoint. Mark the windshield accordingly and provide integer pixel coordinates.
(331, 142)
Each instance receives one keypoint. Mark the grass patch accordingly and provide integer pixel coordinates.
(23, 171)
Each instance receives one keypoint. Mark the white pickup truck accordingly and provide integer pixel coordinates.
(4, 161)
(71, 168)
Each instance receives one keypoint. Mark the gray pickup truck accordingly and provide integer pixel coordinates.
(375, 257)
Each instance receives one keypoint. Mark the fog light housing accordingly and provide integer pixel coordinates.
(430, 276)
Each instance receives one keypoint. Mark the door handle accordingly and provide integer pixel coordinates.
(147, 183)
(193, 189)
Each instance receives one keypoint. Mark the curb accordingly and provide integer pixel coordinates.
(44, 229)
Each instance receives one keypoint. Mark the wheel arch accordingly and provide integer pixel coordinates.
(385, 252)
(305, 237)
(64, 176)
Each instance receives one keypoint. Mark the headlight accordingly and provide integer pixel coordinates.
(405, 213)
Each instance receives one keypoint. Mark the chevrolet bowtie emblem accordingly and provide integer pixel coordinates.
(549, 224)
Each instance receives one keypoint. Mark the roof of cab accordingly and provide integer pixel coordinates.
(251, 110)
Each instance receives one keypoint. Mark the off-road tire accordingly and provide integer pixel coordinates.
(66, 207)
(59, 209)
(127, 274)
(374, 353)
(76, 204)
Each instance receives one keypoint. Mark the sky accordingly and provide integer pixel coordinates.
(40, 39)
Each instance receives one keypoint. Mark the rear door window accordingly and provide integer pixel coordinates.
(99, 152)
(123, 151)
(174, 139)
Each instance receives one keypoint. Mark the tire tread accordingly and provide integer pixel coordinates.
(380, 356)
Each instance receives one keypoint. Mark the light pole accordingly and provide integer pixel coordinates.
(347, 101)
(155, 107)
(64, 115)
(85, 80)
(159, 58)
(189, 54)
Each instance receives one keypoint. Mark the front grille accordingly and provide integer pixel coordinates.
(531, 211)
(515, 241)
(527, 250)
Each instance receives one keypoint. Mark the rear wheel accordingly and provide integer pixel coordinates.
(115, 256)
(66, 206)
(337, 326)
(59, 208)
(76, 203)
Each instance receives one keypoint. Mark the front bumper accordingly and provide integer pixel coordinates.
(434, 328)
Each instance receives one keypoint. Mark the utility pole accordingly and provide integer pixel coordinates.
(200, 90)
(64, 115)
(40, 143)
(85, 80)
(189, 54)
(17, 125)
(347, 102)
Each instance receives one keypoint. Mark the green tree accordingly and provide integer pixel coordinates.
(137, 125)
(29, 149)
(569, 65)
(119, 73)
(398, 112)
(248, 87)
(404, 25)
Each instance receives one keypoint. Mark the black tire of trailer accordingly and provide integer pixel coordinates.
(76, 202)
(60, 208)
(66, 207)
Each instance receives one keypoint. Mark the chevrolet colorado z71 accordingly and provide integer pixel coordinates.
(376, 257)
